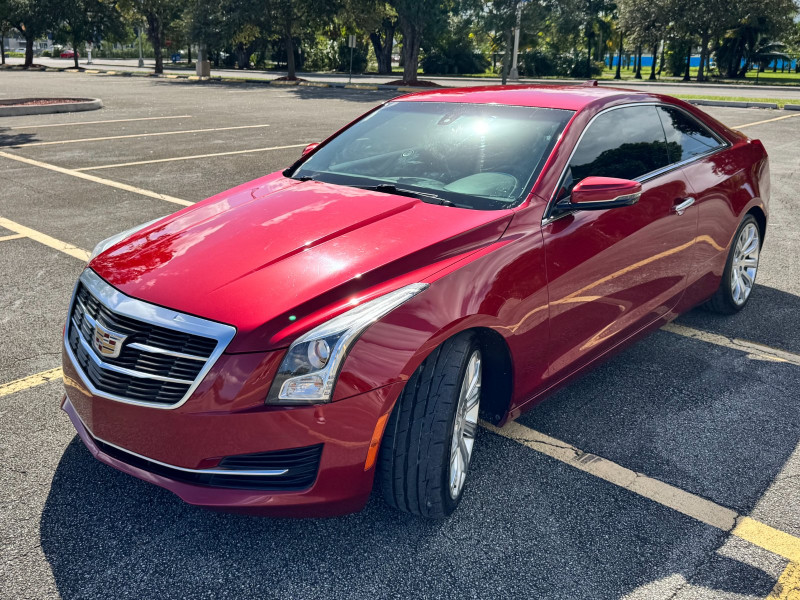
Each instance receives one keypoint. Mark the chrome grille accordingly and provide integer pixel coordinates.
(163, 356)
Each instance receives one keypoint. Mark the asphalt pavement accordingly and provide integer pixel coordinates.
(699, 414)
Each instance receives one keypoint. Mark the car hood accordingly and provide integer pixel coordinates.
(277, 250)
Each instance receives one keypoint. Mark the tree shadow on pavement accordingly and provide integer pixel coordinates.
(300, 92)
(10, 138)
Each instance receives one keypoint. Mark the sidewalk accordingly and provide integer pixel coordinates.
(447, 81)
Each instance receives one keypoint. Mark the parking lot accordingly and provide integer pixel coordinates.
(695, 496)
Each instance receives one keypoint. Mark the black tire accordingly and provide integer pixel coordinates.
(722, 301)
(414, 460)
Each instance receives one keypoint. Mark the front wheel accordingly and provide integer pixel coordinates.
(739, 276)
(430, 436)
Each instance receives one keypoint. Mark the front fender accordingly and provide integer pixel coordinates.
(503, 288)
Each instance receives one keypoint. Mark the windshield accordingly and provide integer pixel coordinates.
(481, 156)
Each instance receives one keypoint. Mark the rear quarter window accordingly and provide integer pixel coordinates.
(686, 137)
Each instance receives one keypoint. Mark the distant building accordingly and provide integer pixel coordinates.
(16, 43)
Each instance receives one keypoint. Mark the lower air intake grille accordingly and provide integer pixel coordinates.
(302, 465)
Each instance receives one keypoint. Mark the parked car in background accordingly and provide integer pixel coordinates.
(68, 54)
(451, 254)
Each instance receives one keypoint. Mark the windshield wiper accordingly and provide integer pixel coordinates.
(390, 188)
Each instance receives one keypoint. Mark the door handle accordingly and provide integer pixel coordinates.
(686, 203)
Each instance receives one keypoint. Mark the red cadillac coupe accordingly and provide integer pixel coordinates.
(449, 255)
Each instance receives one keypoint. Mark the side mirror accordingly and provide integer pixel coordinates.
(601, 193)
(309, 148)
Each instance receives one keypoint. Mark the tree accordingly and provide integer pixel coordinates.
(753, 34)
(418, 19)
(33, 19)
(5, 26)
(500, 17)
(292, 18)
(382, 40)
(158, 15)
(83, 21)
(646, 24)
(378, 20)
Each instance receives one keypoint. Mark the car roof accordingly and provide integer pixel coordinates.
(569, 97)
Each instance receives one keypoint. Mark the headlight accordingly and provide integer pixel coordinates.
(311, 365)
(108, 242)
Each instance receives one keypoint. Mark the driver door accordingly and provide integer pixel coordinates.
(611, 272)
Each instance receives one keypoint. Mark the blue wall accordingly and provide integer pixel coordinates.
(647, 61)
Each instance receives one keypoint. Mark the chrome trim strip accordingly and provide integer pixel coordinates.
(123, 370)
(155, 350)
(120, 303)
(635, 196)
(144, 347)
(548, 217)
(253, 473)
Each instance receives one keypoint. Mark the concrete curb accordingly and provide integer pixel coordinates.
(48, 109)
(733, 103)
(250, 81)
(791, 107)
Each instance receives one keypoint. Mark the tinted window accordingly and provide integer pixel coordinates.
(625, 142)
(685, 136)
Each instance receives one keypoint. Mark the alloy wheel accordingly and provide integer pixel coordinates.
(745, 263)
(465, 425)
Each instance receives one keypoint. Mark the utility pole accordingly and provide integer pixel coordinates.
(514, 74)
(141, 60)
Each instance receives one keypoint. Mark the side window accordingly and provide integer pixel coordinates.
(685, 136)
(624, 142)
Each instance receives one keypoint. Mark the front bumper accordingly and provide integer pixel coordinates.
(226, 417)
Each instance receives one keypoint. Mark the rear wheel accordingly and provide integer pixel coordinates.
(430, 436)
(739, 277)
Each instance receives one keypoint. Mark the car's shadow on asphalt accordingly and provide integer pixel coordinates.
(703, 417)
(528, 527)
(707, 418)
(771, 317)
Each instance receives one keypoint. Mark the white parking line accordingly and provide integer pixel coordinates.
(757, 351)
(99, 122)
(108, 182)
(135, 135)
(163, 160)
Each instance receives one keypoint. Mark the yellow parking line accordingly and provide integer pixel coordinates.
(696, 507)
(16, 236)
(757, 351)
(136, 135)
(31, 381)
(765, 121)
(108, 182)
(100, 122)
(163, 160)
(45, 239)
(788, 585)
(776, 541)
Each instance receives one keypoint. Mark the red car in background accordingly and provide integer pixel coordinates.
(68, 54)
(449, 255)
